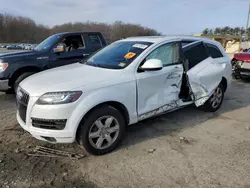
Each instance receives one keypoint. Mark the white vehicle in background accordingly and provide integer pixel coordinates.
(130, 80)
(28, 46)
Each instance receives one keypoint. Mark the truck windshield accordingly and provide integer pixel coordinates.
(118, 55)
(47, 43)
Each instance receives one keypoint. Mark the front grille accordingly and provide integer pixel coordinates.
(22, 111)
(52, 124)
(22, 98)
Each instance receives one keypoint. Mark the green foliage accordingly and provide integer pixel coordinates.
(237, 31)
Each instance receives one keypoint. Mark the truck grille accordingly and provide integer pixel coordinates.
(22, 98)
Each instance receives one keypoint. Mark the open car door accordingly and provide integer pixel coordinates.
(204, 73)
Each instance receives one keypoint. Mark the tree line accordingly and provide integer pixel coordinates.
(237, 31)
(18, 29)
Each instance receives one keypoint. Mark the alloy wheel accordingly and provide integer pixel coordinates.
(216, 97)
(104, 132)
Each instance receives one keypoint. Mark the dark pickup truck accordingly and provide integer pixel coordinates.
(57, 50)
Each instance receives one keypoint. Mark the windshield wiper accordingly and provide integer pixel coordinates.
(100, 65)
(91, 64)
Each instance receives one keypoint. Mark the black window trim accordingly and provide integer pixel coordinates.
(189, 41)
(213, 46)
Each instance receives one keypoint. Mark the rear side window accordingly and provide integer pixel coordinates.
(94, 39)
(214, 51)
(196, 54)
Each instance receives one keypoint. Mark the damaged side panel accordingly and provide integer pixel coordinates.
(158, 91)
(204, 78)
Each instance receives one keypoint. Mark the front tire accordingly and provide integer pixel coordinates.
(215, 101)
(102, 130)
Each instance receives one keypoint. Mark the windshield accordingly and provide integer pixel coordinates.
(47, 43)
(118, 55)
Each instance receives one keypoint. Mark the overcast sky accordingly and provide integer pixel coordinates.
(166, 16)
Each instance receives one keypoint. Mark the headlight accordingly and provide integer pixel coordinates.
(3, 65)
(59, 97)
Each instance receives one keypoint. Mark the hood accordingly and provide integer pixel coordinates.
(17, 54)
(242, 56)
(67, 78)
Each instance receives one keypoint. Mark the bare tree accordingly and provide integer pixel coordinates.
(24, 30)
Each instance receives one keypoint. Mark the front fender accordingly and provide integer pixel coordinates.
(123, 93)
(23, 64)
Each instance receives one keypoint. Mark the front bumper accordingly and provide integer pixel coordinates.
(67, 135)
(241, 70)
(4, 85)
(41, 134)
(244, 72)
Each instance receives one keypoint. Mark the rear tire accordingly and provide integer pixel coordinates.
(97, 135)
(215, 101)
(20, 79)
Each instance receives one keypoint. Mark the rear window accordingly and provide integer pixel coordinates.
(196, 54)
(214, 51)
(94, 39)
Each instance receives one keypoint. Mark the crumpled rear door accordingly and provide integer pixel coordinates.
(204, 77)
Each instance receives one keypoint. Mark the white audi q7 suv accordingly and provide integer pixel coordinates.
(93, 101)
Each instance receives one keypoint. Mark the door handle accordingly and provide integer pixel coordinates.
(84, 55)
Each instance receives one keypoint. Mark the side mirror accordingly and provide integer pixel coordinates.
(59, 48)
(152, 65)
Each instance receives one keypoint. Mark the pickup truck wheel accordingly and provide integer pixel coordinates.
(102, 130)
(215, 101)
(20, 79)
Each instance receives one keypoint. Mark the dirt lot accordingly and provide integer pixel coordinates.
(216, 154)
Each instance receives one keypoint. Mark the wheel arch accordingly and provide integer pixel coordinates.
(22, 70)
(224, 83)
(115, 104)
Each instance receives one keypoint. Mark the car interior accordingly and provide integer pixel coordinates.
(185, 92)
(73, 43)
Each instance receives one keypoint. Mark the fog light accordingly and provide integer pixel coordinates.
(52, 124)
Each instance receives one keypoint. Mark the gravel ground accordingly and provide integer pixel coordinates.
(214, 151)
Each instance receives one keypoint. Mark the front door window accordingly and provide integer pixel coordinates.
(167, 53)
(73, 43)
